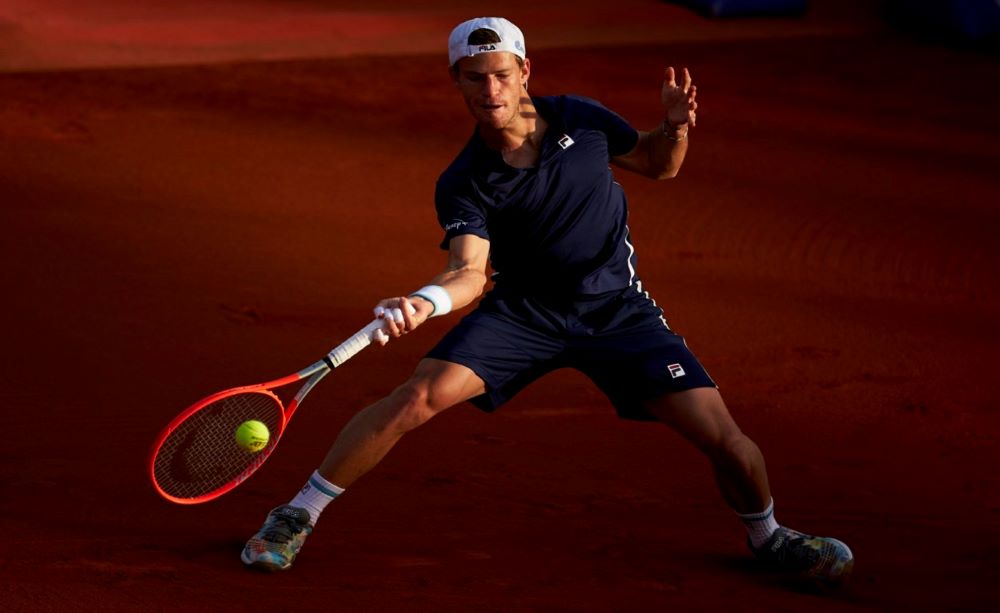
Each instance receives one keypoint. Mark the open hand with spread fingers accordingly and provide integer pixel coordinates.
(679, 104)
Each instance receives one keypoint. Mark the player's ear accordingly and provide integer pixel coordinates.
(525, 72)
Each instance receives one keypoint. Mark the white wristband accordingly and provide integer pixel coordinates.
(437, 296)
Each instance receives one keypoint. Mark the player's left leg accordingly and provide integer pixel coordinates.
(701, 417)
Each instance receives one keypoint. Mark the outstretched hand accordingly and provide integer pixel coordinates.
(679, 103)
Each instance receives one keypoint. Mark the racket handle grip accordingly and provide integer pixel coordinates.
(349, 348)
(361, 339)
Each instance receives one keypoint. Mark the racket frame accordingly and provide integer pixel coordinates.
(313, 374)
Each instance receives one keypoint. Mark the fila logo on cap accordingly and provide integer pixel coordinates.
(502, 36)
(676, 370)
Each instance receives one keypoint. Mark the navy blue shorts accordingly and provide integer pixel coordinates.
(621, 341)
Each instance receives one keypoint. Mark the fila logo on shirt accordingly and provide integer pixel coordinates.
(676, 370)
(565, 142)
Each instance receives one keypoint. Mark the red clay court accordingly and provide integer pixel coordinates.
(199, 198)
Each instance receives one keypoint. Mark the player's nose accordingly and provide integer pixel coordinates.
(491, 86)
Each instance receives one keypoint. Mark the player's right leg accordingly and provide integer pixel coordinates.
(435, 386)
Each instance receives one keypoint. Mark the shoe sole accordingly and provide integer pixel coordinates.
(264, 565)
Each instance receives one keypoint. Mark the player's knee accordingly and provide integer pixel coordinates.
(411, 407)
(733, 451)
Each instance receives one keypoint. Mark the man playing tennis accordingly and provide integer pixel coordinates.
(532, 194)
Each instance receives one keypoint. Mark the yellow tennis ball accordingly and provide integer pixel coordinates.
(252, 435)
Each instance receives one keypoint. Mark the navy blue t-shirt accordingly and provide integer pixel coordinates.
(558, 227)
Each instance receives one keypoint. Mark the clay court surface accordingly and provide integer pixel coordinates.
(192, 201)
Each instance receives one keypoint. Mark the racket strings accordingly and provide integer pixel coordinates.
(201, 454)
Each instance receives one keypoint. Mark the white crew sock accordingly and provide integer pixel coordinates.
(760, 526)
(315, 495)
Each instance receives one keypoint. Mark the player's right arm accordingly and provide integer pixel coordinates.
(463, 278)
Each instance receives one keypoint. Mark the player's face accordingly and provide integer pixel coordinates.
(492, 85)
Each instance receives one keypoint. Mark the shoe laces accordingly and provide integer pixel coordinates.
(790, 547)
(281, 528)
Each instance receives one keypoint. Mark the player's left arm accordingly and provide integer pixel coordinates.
(659, 153)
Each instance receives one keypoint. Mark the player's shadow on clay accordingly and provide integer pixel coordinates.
(226, 549)
(747, 569)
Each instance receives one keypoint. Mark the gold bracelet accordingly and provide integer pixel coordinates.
(671, 131)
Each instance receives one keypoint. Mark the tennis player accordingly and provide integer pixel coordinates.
(533, 196)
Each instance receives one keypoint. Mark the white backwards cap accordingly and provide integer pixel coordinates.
(510, 35)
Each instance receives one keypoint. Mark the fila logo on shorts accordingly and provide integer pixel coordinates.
(565, 142)
(675, 370)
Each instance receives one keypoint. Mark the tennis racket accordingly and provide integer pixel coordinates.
(196, 457)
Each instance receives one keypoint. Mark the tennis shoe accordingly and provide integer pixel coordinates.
(277, 543)
(822, 561)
